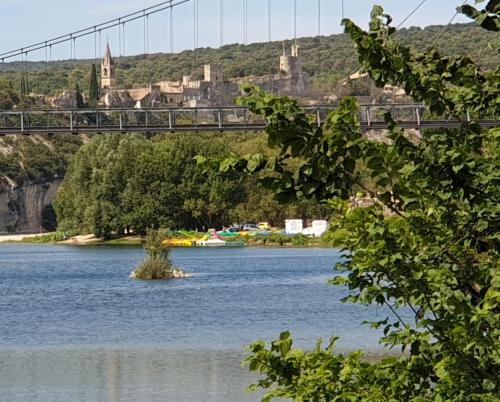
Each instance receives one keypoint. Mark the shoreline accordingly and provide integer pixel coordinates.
(91, 240)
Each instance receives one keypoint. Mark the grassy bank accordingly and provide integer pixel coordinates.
(272, 240)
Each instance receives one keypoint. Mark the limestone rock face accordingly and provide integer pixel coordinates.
(119, 99)
(21, 207)
(66, 101)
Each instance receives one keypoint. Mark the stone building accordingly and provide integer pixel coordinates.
(108, 70)
(212, 90)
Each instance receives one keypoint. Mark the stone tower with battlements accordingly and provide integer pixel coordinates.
(291, 68)
(108, 70)
(214, 74)
(290, 65)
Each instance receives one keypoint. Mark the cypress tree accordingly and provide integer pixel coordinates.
(27, 83)
(22, 86)
(93, 87)
(79, 97)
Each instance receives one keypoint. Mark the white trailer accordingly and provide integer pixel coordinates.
(294, 226)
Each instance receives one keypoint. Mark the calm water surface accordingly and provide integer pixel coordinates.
(73, 327)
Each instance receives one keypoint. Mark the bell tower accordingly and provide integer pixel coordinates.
(108, 67)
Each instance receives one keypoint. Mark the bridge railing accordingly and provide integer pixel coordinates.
(202, 119)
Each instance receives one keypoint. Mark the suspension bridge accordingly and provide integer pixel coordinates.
(171, 119)
(159, 120)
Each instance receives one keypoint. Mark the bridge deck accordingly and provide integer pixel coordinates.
(410, 116)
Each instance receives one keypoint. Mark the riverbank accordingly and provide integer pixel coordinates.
(91, 240)
(19, 238)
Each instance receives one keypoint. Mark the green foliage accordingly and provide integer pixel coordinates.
(121, 183)
(437, 254)
(24, 86)
(154, 268)
(51, 237)
(487, 18)
(37, 158)
(154, 244)
(300, 240)
(93, 87)
(157, 265)
(79, 98)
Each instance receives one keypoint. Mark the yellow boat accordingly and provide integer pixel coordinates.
(179, 242)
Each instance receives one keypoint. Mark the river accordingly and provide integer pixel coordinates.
(73, 327)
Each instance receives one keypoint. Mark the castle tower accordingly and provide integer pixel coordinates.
(291, 70)
(108, 67)
(214, 74)
(291, 66)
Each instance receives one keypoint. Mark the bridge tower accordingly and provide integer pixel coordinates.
(108, 70)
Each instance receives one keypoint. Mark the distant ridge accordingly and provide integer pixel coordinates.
(327, 59)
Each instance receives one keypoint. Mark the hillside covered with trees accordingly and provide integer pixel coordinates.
(326, 59)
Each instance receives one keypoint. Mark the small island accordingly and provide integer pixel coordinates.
(157, 266)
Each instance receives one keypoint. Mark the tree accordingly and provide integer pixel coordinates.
(430, 244)
(79, 98)
(22, 85)
(93, 87)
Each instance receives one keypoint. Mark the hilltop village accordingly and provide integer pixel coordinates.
(213, 90)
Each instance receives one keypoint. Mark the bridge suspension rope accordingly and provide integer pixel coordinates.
(439, 36)
(171, 30)
(165, 5)
(221, 22)
(319, 18)
(119, 39)
(269, 15)
(245, 22)
(295, 21)
(411, 13)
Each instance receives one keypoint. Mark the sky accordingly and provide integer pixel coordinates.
(23, 22)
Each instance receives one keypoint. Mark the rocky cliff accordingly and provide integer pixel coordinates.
(31, 170)
(23, 209)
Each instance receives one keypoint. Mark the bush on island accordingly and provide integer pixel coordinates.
(157, 265)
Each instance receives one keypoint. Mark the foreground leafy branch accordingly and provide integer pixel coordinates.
(431, 244)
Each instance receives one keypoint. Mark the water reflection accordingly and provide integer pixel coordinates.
(121, 376)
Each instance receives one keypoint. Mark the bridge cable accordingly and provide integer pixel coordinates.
(195, 3)
(411, 13)
(171, 30)
(119, 38)
(147, 33)
(95, 46)
(123, 38)
(89, 31)
(245, 21)
(295, 21)
(144, 34)
(269, 15)
(100, 44)
(319, 18)
(221, 22)
(439, 36)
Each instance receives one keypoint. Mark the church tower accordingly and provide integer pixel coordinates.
(108, 67)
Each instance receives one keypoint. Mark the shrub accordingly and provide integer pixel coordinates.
(157, 265)
(300, 240)
(154, 267)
